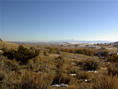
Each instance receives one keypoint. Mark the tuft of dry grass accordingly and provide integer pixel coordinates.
(113, 69)
(106, 82)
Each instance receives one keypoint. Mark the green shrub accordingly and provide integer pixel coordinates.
(45, 53)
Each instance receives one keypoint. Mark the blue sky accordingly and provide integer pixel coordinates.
(48, 20)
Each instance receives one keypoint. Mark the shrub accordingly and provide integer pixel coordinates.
(88, 52)
(113, 58)
(90, 64)
(68, 50)
(61, 78)
(45, 53)
(10, 53)
(102, 54)
(22, 54)
(59, 62)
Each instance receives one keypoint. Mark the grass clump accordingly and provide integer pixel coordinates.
(113, 58)
(82, 75)
(32, 80)
(106, 82)
(113, 69)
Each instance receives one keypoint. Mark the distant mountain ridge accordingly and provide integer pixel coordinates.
(116, 42)
(62, 42)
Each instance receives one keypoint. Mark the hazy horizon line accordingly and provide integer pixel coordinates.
(61, 40)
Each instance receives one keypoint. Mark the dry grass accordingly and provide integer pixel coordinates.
(53, 66)
(8, 45)
(106, 82)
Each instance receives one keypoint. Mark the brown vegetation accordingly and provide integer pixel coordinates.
(57, 68)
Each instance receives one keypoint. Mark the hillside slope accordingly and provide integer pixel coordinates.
(9, 45)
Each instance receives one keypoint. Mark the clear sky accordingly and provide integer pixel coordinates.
(48, 20)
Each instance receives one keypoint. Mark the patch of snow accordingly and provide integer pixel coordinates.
(60, 85)
(73, 74)
(56, 85)
(93, 71)
(85, 80)
(73, 63)
(1, 51)
(64, 85)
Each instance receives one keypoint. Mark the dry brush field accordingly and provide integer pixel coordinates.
(49, 67)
